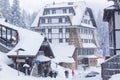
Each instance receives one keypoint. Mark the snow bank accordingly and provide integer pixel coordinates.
(115, 77)
(4, 58)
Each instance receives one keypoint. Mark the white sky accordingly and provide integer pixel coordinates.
(35, 5)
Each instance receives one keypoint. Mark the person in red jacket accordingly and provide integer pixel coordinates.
(73, 72)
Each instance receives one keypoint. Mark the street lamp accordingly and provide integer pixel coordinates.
(17, 51)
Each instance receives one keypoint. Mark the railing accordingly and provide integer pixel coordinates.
(8, 36)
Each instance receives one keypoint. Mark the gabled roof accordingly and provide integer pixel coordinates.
(28, 40)
(108, 12)
(79, 12)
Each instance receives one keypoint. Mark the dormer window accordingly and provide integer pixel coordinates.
(47, 12)
(42, 21)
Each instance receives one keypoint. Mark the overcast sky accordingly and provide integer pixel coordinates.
(34, 5)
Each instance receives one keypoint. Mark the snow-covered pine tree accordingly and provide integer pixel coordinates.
(5, 9)
(103, 35)
(16, 17)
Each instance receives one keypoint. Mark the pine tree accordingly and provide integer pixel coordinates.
(16, 17)
(5, 9)
(103, 35)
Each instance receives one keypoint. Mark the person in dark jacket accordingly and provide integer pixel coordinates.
(51, 74)
(55, 74)
(45, 72)
(66, 73)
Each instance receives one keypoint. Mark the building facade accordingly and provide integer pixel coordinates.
(112, 16)
(68, 23)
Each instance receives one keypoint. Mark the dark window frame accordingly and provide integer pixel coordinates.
(60, 40)
(49, 30)
(60, 20)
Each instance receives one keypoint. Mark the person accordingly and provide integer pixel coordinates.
(66, 73)
(51, 74)
(55, 74)
(45, 72)
(73, 72)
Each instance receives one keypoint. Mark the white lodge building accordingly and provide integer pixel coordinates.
(71, 23)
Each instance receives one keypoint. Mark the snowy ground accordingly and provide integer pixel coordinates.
(8, 73)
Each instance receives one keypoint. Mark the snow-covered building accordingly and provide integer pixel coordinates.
(72, 23)
(112, 16)
(26, 48)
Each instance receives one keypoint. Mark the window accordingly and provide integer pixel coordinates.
(88, 21)
(50, 40)
(70, 10)
(43, 30)
(85, 21)
(60, 20)
(85, 40)
(66, 20)
(67, 30)
(60, 40)
(49, 30)
(49, 20)
(60, 30)
(64, 11)
(47, 12)
(67, 40)
(42, 20)
(53, 11)
(79, 62)
(79, 51)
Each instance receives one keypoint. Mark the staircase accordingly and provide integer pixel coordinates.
(75, 38)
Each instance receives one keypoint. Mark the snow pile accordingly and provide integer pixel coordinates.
(4, 58)
(115, 77)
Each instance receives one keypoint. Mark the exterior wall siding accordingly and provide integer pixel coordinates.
(111, 67)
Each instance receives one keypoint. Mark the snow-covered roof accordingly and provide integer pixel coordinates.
(112, 7)
(58, 5)
(79, 8)
(36, 21)
(79, 12)
(43, 58)
(63, 52)
(28, 40)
